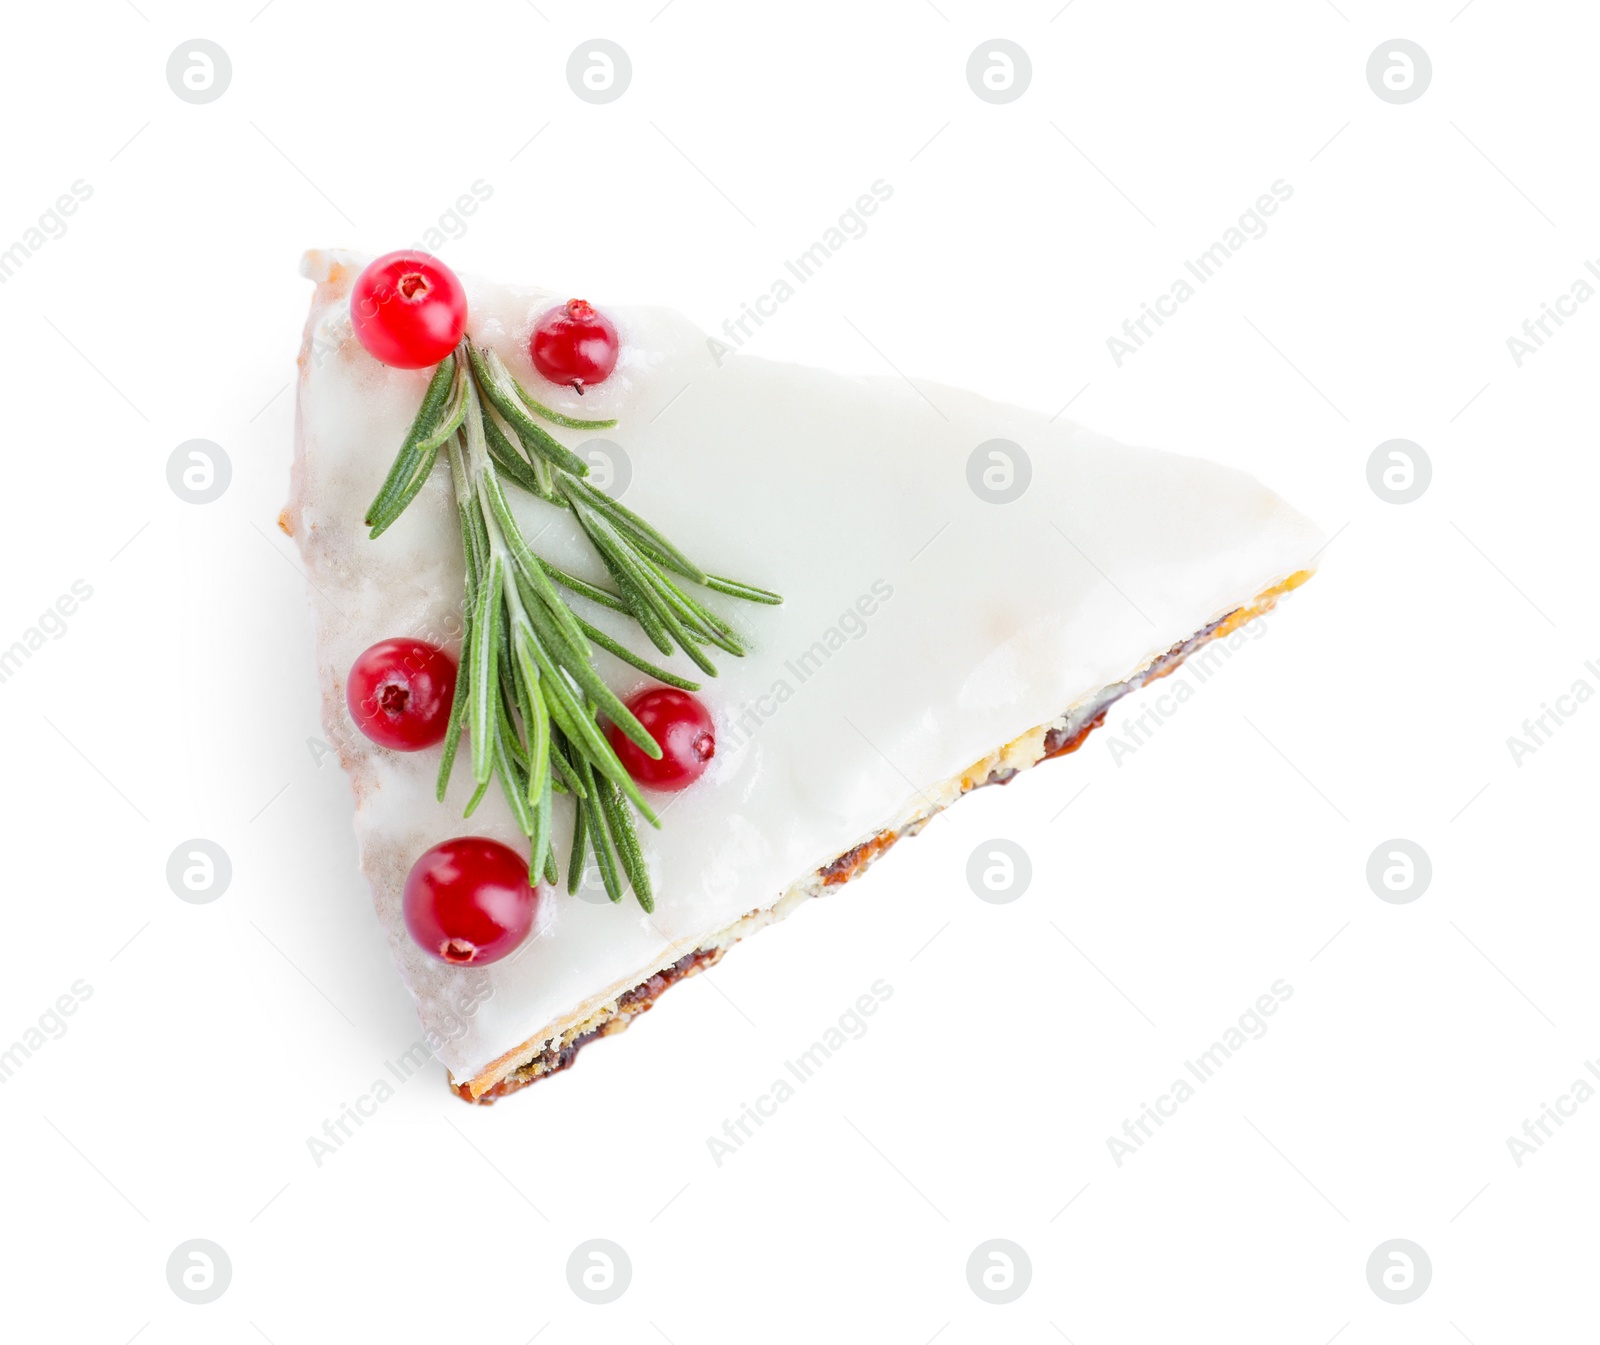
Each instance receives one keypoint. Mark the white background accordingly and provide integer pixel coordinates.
(1224, 854)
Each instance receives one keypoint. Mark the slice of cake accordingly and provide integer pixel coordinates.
(966, 587)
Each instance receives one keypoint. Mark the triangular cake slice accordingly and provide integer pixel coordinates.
(940, 630)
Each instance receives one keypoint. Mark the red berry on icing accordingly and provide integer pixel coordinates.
(468, 901)
(575, 344)
(681, 725)
(408, 309)
(400, 693)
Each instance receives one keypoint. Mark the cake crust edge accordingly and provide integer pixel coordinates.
(556, 1047)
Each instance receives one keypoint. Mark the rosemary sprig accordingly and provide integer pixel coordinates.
(527, 692)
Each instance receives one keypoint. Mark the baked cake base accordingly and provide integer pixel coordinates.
(554, 1049)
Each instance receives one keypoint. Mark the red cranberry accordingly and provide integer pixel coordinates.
(575, 344)
(400, 692)
(408, 309)
(468, 901)
(681, 725)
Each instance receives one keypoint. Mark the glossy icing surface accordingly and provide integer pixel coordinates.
(923, 626)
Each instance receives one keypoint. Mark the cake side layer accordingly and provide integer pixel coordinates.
(556, 1048)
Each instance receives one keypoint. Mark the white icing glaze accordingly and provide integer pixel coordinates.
(833, 491)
